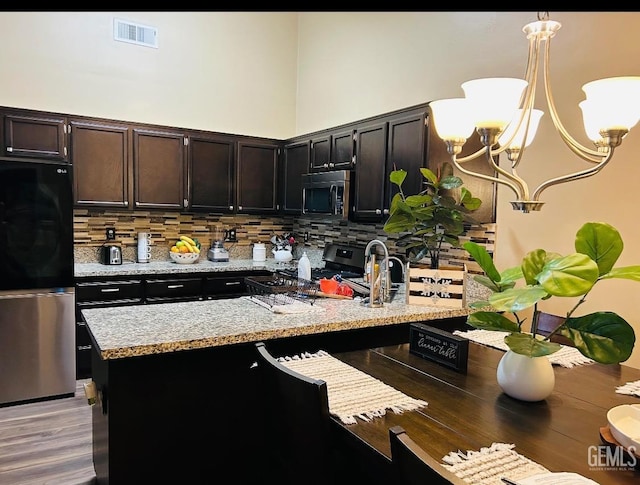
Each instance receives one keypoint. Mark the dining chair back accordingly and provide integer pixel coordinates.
(296, 417)
(412, 465)
(547, 323)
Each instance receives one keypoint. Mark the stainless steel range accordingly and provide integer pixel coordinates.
(344, 260)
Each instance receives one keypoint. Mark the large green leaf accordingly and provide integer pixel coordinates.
(450, 182)
(572, 275)
(601, 242)
(532, 264)
(429, 175)
(627, 272)
(492, 321)
(602, 336)
(397, 177)
(527, 344)
(516, 299)
(483, 258)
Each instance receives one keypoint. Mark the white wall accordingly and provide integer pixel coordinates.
(228, 72)
(236, 72)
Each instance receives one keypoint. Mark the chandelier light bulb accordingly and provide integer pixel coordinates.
(452, 119)
(493, 101)
(519, 138)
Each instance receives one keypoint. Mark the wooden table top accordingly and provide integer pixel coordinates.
(469, 411)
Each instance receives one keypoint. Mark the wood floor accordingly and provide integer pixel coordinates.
(47, 443)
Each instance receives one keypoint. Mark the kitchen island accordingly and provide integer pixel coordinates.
(176, 392)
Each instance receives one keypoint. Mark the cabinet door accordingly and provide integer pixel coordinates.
(295, 162)
(320, 153)
(159, 169)
(100, 157)
(342, 150)
(406, 150)
(211, 174)
(35, 136)
(257, 178)
(486, 191)
(371, 152)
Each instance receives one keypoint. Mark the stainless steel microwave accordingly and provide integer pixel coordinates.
(326, 194)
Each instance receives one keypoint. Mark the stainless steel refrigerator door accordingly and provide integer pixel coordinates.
(37, 344)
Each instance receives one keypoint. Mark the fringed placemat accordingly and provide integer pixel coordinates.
(630, 388)
(352, 393)
(565, 357)
(490, 464)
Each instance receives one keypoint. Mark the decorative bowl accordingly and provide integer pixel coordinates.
(624, 423)
(184, 258)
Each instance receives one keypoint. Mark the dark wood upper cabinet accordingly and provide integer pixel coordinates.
(320, 153)
(342, 150)
(159, 169)
(257, 181)
(37, 136)
(211, 173)
(100, 154)
(371, 154)
(295, 162)
(406, 150)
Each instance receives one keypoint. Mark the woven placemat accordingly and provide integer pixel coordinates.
(565, 357)
(352, 393)
(630, 388)
(488, 465)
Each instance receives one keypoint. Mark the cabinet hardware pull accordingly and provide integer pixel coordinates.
(109, 290)
(171, 287)
(84, 347)
(378, 212)
(232, 283)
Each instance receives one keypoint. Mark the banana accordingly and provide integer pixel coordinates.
(188, 240)
(189, 246)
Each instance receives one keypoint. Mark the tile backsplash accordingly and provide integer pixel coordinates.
(166, 227)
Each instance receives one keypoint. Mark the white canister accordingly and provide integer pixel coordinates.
(144, 247)
(259, 252)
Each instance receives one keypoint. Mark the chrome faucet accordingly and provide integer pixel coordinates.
(379, 286)
(399, 261)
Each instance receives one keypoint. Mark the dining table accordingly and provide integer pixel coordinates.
(467, 411)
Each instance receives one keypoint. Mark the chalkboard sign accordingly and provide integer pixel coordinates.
(440, 346)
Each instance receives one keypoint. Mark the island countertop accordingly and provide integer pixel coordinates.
(130, 331)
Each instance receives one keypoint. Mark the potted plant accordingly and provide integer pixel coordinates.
(436, 215)
(602, 336)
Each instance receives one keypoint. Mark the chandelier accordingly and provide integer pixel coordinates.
(502, 112)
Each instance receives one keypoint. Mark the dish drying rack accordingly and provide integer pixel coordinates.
(280, 289)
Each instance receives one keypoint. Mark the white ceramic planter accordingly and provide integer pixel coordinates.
(526, 378)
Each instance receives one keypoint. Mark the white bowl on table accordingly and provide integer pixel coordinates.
(184, 258)
(624, 423)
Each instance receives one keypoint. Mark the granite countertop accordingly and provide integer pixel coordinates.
(130, 331)
(203, 265)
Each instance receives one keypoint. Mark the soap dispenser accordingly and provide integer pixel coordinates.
(304, 267)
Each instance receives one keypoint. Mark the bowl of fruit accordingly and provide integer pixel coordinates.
(186, 250)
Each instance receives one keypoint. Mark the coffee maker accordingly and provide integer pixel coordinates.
(217, 252)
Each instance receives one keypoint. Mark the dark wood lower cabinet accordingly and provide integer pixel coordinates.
(195, 416)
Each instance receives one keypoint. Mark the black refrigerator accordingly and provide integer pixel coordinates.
(37, 296)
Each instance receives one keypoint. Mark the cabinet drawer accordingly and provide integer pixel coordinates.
(174, 289)
(225, 286)
(109, 291)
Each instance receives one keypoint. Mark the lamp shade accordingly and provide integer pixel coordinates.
(493, 101)
(613, 103)
(519, 138)
(452, 119)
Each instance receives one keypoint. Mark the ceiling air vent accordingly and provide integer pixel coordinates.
(126, 31)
